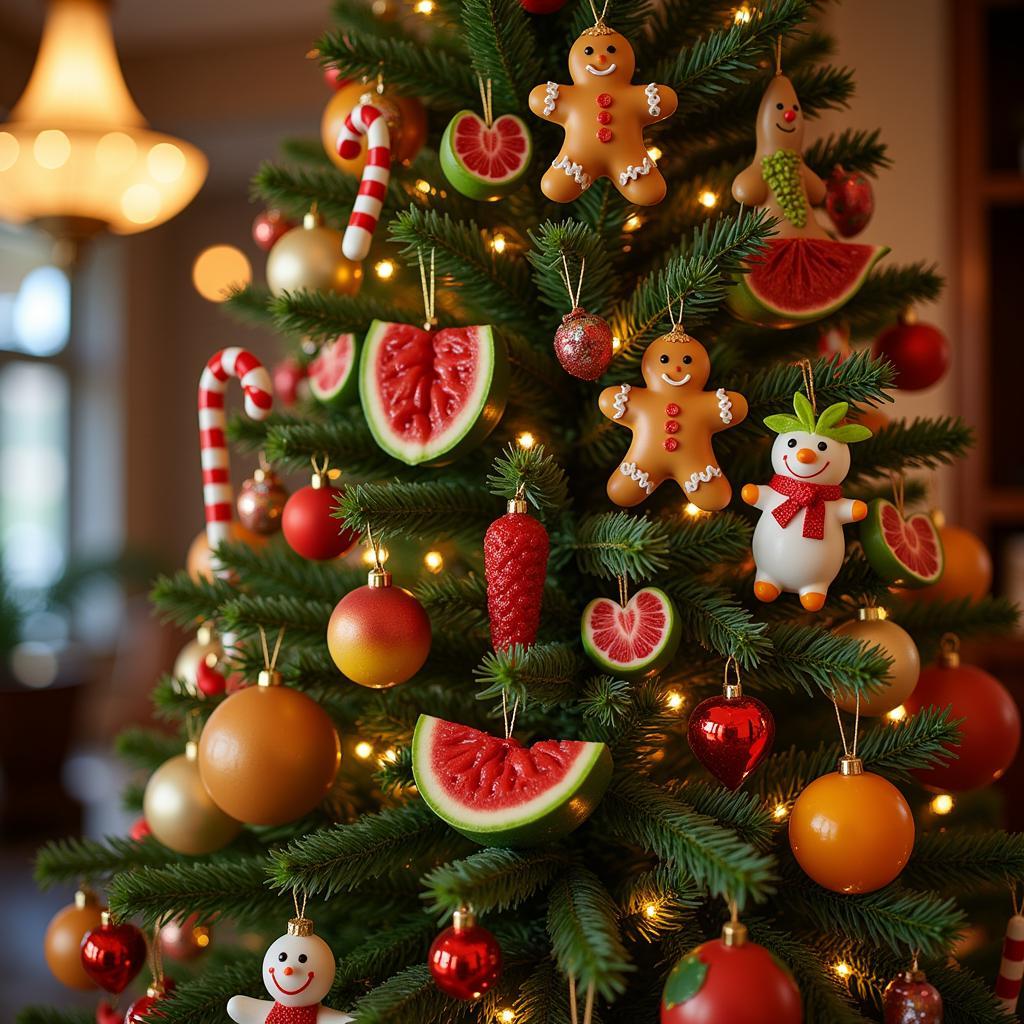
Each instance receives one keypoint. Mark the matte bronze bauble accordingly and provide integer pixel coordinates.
(310, 258)
(179, 811)
(268, 754)
(900, 680)
(261, 501)
(62, 943)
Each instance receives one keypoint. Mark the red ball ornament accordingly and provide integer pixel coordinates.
(142, 1010)
(731, 735)
(730, 981)
(379, 635)
(210, 680)
(309, 526)
(542, 6)
(268, 227)
(113, 954)
(288, 378)
(910, 999)
(334, 79)
(583, 344)
(851, 830)
(990, 726)
(139, 830)
(849, 200)
(919, 353)
(185, 940)
(465, 959)
(107, 1014)
(515, 564)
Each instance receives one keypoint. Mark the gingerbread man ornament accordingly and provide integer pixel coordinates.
(604, 116)
(778, 180)
(673, 420)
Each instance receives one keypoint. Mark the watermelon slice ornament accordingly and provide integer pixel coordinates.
(333, 380)
(498, 792)
(906, 552)
(631, 639)
(483, 157)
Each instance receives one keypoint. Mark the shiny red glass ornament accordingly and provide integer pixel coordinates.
(310, 527)
(113, 954)
(261, 500)
(731, 736)
(465, 959)
(139, 830)
(142, 1010)
(919, 353)
(850, 201)
(583, 344)
(334, 79)
(288, 376)
(107, 1014)
(910, 999)
(268, 227)
(210, 681)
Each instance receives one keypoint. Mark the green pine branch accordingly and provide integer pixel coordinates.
(928, 621)
(410, 995)
(853, 150)
(147, 748)
(323, 315)
(185, 601)
(544, 674)
(887, 292)
(382, 954)
(745, 813)
(531, 474)
(707, 541)
(582, 246)
(906, 445)
(295, 189)
(962, 861)
(503, 50)
(347, 444)
(70, 860)
(653, 904)
(201, 999)
(614, 544)
(303, 620)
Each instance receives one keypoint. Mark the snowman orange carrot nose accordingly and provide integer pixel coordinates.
(807, 456)
(288, 972)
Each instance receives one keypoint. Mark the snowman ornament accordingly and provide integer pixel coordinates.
(298, 971)
(798, 542)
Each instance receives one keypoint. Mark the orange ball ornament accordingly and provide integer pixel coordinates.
(898, 645)
(379, 635)
(405, 115)
(968, 571)
(268, 754)
(851, 831)
(199, 561)
(62, 943)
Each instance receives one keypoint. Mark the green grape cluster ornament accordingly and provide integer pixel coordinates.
(782, 174)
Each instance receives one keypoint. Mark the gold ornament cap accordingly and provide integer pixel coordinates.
(463, 918)
(301, 926)
(378, 579)
(155, 989)
(600, 29)
(312, 220)
(268, 677)
(319, 481)
(191, 750)
(106, 918)
(850, 766)
(949, 651)
(732, 690)
(85, 897)
(204, 634)
(872, 613)
(518, 505)
(734, 933)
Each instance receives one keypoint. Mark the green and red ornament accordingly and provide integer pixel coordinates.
(499, 793)
(905, 551)
(849, 200)
(919, 353)
(333, 373)
(515, 564)
(911, 999)
(113, 954)
(632, 638)
(731, 734)
(379, 635)
(308, 522)
(731, 980)
(465, 958)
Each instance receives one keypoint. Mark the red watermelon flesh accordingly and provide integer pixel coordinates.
(331, 373)
(626, 634)
(496, 153)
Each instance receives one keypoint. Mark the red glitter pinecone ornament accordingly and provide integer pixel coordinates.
(515, 563)
(583, 344)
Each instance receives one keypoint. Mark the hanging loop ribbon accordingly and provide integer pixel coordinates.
(807, 370)
(574, 297)
(428, 285)
(486, 100)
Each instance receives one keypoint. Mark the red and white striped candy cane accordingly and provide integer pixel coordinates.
(1011, 968)
(213, 449)
(368, 120)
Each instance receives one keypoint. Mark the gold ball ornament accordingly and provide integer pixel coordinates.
(309, 257)
(179, 810)
(268, 754)
(902, 677)
(406, 119)
(63, 940)
(205, 648)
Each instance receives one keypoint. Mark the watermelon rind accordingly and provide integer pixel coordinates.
(345, 390)
(746, 304)
(469, 182)
(661, 656)
(548, 817)
(881, 556)
(480, 415)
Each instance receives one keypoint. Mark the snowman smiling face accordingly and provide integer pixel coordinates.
(298, 970)
(811, 458)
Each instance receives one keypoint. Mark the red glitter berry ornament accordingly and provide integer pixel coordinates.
(308, 522)
(113, 954)
(268, 227)
(583, 344)
(849, 200)
(465, 959)
(910, 999)
(142, 1010)
(515, 564)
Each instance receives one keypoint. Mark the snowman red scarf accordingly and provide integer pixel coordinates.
(281, 1014)
(807, 496)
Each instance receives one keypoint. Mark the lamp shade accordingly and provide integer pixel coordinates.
(76, 154)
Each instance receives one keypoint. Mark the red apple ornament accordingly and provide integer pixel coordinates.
(849, 200)
(918, 352)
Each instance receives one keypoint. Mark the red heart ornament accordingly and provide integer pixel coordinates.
(106, 1014)
(113, 954)
(731, 736)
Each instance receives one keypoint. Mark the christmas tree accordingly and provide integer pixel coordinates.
(471, 428)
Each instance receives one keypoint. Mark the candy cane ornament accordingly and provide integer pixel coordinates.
(1011, 967)
(218, 498)
(369, 120)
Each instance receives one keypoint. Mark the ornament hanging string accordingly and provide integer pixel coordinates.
(676, 321)
(300, 912)
(588, 1006)
(320, 468)
(733, 663)
(509, 725)
(378, 565)
(949, 644)
(427, 284)
(487, 100)
(847, 750)
(155, 958)
(807, 371)
(778, 55)
(270, 660)
(898, 491)
(599, 18)
(574, 297)
(623, 589)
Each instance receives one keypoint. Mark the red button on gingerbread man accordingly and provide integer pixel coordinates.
(673, 420)
(601, 63)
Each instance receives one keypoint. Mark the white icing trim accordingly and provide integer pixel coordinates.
(696, 479)
(653, 100)
(620, 401)
(675, 383)
(550, 98)
(724, 406)
(575, 171)
(630, 469)
(600, 74)
(631, 173)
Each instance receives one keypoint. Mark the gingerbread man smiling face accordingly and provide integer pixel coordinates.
(604, 116)
(673, 420)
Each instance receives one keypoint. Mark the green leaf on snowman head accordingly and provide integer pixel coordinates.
(685, 981)
(783, 423)
(828, 425)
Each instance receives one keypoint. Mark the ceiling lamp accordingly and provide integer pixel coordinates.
(76, 155)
